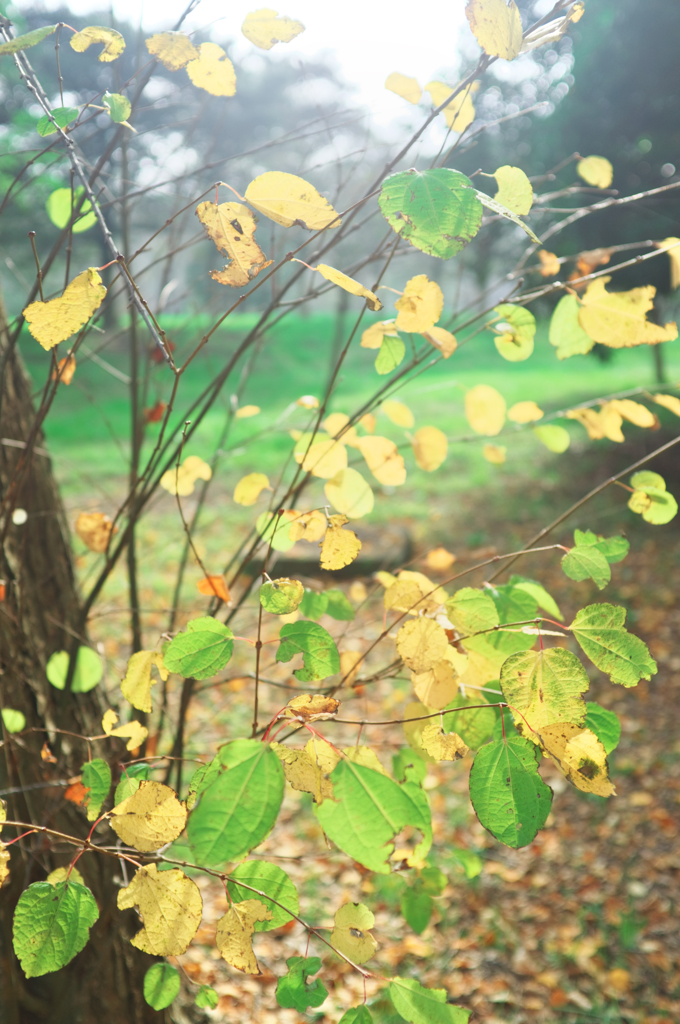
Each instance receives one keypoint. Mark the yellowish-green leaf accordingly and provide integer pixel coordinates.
(440, 745)
(421, 643)
(544, 688)
(383, 460)
(65, 875)
(138, 681)
(514, 189)
(430, 448)
(288, 200)
(618, 319)
(182, 479)
(114, 44)
(170, 906)
(27, 40)
(460, 112)
(439, 685)
(305, 772)
(212, 71)
(497, 27)
(398, 413)
(348, 284)
(579, 755)
(485, 410)
(351, 934)
(420, 306)
(349, 494)
(150, 818)
(555, 438)
(517, 328)
(173, 49)
(566, 333)
(232, 226)
(250, 487)
(340, 547)
(392, 352)
(525, 412)
(265, 28)
(407, 88)
(235, 929)
(56, 320)
(595, 170)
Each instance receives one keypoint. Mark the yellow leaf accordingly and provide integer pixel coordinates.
(311, 707)
(309, 526)
(246, 411)
(325, 459)
(64, 874)
(595, 170)
(65, 370)
(672, 247)
(669, 402)
(365, 756)
(351, 935)
(514, 189)
(589, 419)
(460, 112)
(350, 661)
(634, 412)
(56, 320)
(579, 755)
(399, 413)
(133, 731)
(385, 579)
(525, 412)
(336, 422)
(323, 754)
(442, 340)
(427, 587)
(350, 285)
(550, 265)
(373, 335)
(442, 746)
(182, 480)
(610, 421)
(421, 644)
(350, 494)
(439, 559)
(114, 44)
(404, 86)
(234, 937)
(497, 27)
(232, 226)
(250, 487)
(340, 547)
(407, 595)
(413, 731)
(150, 818)
(485, 410)
(308, 402)
(288, 200)
(136, 686)
(494, 453)
(430, 448)
(618, 319)
(420, 306)
(212, 71)
(264, 29)
(368, 422)
(383, 460)
(438, 686)
(4, 864)
(170, 906)
(173, 49)
(304, 773)
(94, 529)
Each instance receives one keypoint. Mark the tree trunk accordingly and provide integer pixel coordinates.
(38, 616)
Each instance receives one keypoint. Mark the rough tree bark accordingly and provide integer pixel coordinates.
(39, 616)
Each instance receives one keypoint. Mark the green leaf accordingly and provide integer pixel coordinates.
(510, 798)
(407, 766)
(202, 651)
(513, 604)
(368, 810)
(60, 209)
(63, 116)
(437, 211)
(293, 992)
(339, 606)
(566, 333)
(161, 985)
(521, 325)
(600, 632)
(97, 778)
(539, 594)
(89, 670)
(236, 751)
(392, 351)
(556, 439)
(271, 880)
(502, 211)
(319, 654)
(583, 563)
(51, 924)
(474, 726)
(645, 478)
(433, 880)
(471, 611)
(544, 688)
(416, 908)
(238, 810)
(119, 107)
(470, 862)
(357, 1015)
(281, 597)
(614, 549)
(13, 720)
(202, 778)
(275, 531)
(132, 775)
(314, 604)
(605, 724)
(656, 506)
(27, 40)
(420, 1005)
(207, 998)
